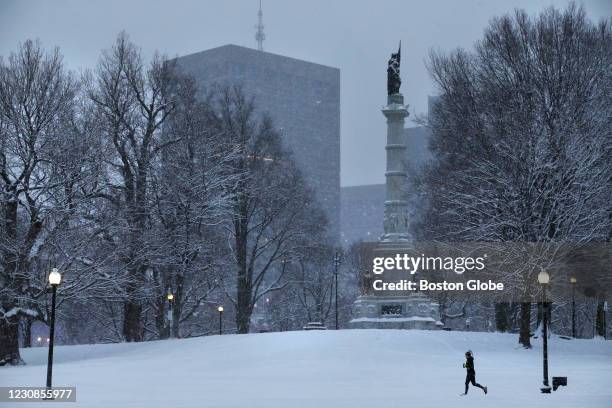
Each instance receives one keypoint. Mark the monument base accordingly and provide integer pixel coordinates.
(396, 237)
(415, 311)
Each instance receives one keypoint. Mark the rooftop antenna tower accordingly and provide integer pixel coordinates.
(259, 34)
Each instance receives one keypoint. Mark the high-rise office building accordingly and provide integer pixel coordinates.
(303, 99)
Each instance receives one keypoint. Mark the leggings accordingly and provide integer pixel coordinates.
(471, 378)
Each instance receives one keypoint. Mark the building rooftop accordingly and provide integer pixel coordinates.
(239, 51)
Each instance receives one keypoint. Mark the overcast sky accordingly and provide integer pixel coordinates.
(356, 36)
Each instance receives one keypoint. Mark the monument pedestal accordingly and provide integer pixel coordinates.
(414, 311)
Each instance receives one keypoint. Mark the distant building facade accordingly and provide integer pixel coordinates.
(303, 99)
(363, 209)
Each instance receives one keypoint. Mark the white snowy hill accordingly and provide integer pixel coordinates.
(347, 368)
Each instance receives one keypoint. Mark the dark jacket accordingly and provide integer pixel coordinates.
(469, 364)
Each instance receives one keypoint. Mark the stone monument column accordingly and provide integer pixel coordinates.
(396, 206)
(388, 310)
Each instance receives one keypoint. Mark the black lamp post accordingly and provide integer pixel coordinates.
(544, 278)
(336, 266)
(573, 282)
(54, 280)
(605, 327)
(220, 310)
(170, 298)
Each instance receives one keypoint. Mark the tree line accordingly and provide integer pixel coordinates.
(137, 184)
(522, 143)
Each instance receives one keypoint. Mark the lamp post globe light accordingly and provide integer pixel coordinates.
(220, 310)
(544, 279)
(573, 282)
(55, 279)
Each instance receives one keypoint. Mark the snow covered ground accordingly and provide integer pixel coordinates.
(347, 368)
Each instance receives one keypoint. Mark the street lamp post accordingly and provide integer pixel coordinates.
(170, 298)
(605, 327)
(54, 280)
(336, 265)
(544, 278)
(573, 282)
(220, 310)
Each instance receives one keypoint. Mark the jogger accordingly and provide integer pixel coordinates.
(471, 373)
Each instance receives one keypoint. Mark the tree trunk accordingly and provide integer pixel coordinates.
(133, 329)
(177, 307)
(132, 323)
(9, 341)
(26, 331)
(9, 326)
(600, 329)
(176, 316)
(160, 318)
(244, 285)
(524, 334)
(501, 317)
(243, 309)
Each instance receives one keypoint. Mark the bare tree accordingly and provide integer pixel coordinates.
(36, 97)
(521, 137)
(314, 282)
(192, 188)
(133, 102)
(272, 207)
